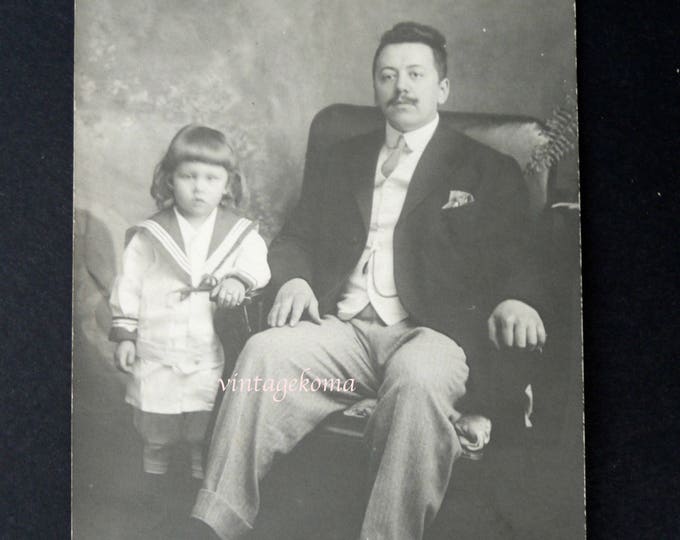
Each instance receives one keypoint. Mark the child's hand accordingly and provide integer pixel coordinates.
(125, 355)
(474, 432)
(229, 292)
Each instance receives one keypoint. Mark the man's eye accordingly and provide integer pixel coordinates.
(416, 74)
(388, 77)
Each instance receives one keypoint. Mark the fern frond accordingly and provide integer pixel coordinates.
(561, 132)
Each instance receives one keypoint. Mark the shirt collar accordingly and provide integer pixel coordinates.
(416, 140)
(189, 232)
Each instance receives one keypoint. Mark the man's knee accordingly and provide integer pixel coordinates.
(430, 377)
(434, 364)
(268, 353)
(263, 344)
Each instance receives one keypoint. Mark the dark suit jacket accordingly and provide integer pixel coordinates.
(452, 267)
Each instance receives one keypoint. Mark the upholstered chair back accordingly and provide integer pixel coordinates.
(516, 136)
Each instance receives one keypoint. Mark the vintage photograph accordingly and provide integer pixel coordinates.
(326, 271)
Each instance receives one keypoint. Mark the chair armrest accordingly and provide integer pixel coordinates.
(566, 217)
(235, 325)
(254, 309)
(562, 245)
(567, 212)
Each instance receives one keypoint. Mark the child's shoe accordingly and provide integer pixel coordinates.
(153, 501)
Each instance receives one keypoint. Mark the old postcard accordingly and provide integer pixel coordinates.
(326, 271)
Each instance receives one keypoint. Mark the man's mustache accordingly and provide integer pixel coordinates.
(401, 100)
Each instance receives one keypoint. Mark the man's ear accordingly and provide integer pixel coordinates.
(444, 89)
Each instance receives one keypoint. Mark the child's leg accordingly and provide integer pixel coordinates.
(159, 432)
(195, 426)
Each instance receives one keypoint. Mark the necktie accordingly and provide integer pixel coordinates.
(393, 159)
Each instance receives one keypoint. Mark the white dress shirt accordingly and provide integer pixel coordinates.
(372, 280)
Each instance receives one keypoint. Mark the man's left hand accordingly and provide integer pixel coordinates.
(516, 324)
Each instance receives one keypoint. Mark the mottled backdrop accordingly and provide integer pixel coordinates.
(259, 69)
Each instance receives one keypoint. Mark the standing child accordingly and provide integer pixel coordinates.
(196, 249)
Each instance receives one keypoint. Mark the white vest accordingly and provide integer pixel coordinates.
(372, 280)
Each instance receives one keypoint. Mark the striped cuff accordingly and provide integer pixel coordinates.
(122, 329)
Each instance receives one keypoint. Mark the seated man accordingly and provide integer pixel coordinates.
(394, 257)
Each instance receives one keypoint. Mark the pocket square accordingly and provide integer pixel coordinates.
(458, 198)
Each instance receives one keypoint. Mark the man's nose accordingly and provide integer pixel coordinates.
(402, 83)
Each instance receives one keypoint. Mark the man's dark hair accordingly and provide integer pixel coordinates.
(412, 32)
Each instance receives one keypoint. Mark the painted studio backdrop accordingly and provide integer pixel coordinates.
(258, 70)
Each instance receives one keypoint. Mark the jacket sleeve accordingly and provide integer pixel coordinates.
(127, 287)
(512, 249)
(250, 265)
(292, 253)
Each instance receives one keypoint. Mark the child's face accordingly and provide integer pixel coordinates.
(199, 187)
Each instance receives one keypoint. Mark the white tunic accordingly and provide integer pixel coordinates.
(179, 356)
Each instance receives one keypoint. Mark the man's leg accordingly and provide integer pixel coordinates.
(411, 433)
(252, 426)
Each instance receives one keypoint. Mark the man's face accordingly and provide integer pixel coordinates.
(407, 86)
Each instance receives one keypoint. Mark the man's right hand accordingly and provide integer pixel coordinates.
(294, 298)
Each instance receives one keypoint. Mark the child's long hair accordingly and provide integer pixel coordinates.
(204, 144)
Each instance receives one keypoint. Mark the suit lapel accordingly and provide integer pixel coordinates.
(362, 173)
(443, 155)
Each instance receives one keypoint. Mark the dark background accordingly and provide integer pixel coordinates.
(628, 96)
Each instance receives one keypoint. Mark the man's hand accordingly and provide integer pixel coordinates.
(229, 292)
(516, 324)
(124, 356)
(294, 298)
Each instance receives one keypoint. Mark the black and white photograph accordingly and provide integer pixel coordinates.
(326, 271)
